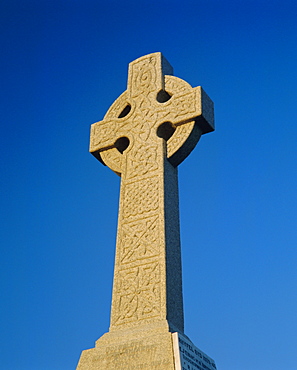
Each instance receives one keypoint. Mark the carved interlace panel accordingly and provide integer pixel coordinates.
(139, 239)
(141, 197)
(138, 293)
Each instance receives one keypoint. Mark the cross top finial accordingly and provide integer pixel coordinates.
(155, 105)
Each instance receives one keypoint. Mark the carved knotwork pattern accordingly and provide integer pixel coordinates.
(185, 106)
(144, 161)
(103, 133)
(181, 134)
(141, 197)
(173, 84)
(139, 240)
(138, 291)
(113, 159)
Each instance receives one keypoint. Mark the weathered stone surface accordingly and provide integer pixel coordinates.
(146, 133)
(130, 350)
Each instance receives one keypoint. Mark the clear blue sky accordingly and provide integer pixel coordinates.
(62, 64)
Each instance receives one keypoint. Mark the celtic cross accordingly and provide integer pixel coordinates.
(146, 133)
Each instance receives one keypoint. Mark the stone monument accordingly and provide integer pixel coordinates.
(146, 133)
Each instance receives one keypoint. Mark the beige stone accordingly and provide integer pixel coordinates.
(146, 133)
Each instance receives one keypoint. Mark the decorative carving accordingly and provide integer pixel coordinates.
(143, 162)
(138, 293)
(143, 76)
(175, 85)
(103, 133)
(180, 135)
(185, 106)
(139, 239)
(141, 197)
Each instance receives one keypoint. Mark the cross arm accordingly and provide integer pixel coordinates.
(193, 105)
(103, 136)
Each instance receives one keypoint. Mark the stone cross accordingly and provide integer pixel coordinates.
(146, 133)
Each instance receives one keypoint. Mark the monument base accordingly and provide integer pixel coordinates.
(144, 349)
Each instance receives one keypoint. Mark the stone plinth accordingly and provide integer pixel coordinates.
(131, 349)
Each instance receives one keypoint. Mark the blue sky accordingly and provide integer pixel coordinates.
(62, 65)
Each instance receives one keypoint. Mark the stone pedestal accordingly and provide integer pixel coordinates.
(145, 348)
(148, 348)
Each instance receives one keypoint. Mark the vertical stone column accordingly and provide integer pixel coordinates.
(147, 280)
